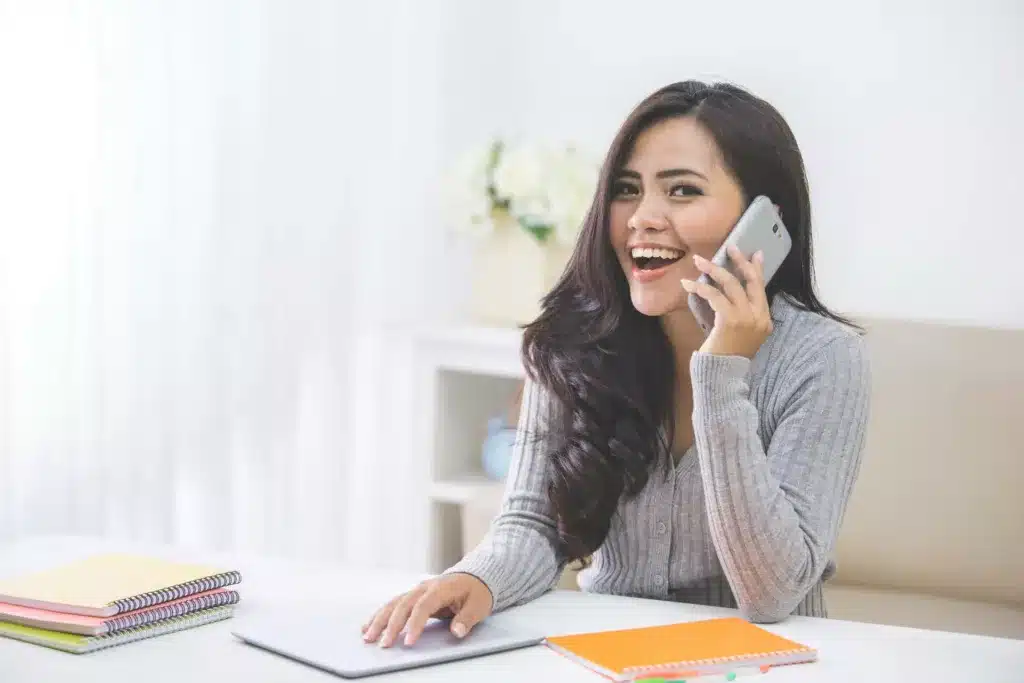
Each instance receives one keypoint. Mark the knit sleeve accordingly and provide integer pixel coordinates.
(774, 510)
(517, 558)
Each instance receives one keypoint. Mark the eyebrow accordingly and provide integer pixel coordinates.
(667, 173)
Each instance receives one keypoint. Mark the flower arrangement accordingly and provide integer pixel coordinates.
(547, 190)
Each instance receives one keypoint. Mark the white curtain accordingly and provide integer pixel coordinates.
(181, 195)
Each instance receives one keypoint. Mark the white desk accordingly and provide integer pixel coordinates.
(849, 652)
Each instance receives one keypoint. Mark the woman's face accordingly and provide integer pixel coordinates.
(673, 198)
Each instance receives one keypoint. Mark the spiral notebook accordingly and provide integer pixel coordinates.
(693, 648)
(97, 626)
(110, 584)
(79, 644)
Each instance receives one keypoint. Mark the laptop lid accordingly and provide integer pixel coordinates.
(334, 643)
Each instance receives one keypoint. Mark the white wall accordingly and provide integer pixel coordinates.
(908, 114)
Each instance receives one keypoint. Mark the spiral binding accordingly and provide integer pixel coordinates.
(713, 661)
(160, 628)
(174, 609)
(175, 592)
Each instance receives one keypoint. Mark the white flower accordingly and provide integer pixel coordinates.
(465, 201)
(521, 177)
(547, 190)
(571, 185)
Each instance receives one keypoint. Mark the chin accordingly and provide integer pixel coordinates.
(656, 304)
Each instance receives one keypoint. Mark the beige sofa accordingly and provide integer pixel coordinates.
(934, 534)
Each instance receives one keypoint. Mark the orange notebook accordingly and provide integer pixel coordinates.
(692, 648)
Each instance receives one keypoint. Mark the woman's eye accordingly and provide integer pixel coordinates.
(685, 191)
(624, 190)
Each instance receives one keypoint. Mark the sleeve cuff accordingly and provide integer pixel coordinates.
(490, 571)
(718, 382)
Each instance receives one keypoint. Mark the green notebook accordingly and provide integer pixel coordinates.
(79, 644)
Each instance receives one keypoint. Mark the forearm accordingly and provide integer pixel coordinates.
(517, 559)
(755, 530)
(772, 516)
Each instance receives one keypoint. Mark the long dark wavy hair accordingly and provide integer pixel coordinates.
(609, 367)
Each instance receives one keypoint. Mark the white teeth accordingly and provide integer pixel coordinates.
(647, 252)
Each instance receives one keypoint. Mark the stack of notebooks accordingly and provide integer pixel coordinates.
(112, 599)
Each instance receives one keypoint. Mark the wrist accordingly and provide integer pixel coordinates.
(718, 382)
(711, 367)
(716, 346)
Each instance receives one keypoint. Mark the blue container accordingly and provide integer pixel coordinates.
(497, 448)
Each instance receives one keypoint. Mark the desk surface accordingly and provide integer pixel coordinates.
(849, 652)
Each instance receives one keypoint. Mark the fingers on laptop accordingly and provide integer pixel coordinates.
(392, 618)
(465, 597)
(439, 598)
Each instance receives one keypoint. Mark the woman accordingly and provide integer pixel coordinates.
(706, 469)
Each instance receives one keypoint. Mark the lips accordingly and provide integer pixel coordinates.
(651, 258)
(650, 263)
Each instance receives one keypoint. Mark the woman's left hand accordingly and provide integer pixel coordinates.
(742, 318)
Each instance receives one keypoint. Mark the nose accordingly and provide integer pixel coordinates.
(648, 218)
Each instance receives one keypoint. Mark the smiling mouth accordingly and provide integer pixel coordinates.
(646, 258)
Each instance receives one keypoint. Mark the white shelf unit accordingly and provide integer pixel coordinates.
(459, 489)
(464, 375)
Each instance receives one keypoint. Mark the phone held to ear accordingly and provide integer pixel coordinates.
(760, 228)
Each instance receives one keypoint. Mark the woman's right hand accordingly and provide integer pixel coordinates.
(462, 597)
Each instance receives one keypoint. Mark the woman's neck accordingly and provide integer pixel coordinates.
(685, 337)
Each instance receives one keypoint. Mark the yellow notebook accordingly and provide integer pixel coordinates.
(109, 584)
(693, 648)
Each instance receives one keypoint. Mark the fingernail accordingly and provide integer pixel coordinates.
(459, 630)
(687, 285)
(759, 256)
(697, 258)
(408, 639)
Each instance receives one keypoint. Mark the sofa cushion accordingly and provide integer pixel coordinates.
(937, 507)
(917, 610)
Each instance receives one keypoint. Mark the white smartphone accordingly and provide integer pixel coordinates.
(760, 228)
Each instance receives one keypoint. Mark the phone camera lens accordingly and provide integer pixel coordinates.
(775, 228)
